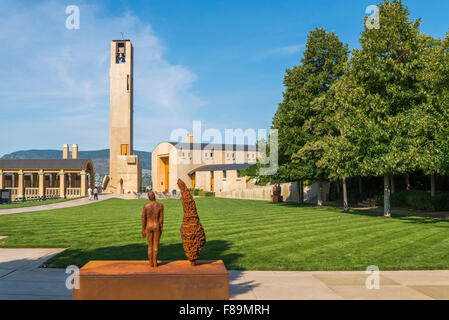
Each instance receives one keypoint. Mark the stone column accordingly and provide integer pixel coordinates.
(62, 183)
(41, 184)
(2, 180)
(20, 185)
(83, 184)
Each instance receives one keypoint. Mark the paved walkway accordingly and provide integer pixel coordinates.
(21, 278)
(57, 205)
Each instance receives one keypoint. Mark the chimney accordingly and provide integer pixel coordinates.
(189, 138)
(75, 151)
(65, 151)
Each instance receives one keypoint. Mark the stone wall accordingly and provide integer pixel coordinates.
(289, 192)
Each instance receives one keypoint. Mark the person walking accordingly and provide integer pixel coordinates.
(95, 193)
(89, 193)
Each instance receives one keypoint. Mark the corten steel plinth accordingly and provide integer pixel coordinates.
(136, 280)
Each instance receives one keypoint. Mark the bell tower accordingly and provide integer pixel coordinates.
(124, 166)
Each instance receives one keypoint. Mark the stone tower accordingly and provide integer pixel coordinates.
(124, 168)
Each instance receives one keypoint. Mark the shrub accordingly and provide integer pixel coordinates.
(416, 199)
(441, 202)
(202, 193)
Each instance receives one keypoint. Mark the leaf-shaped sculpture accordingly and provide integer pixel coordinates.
(192, 232)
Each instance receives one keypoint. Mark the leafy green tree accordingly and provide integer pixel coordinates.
(429, 124)
(338, 154)
(296, 117)
(383, 78)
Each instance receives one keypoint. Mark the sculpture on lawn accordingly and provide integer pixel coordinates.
(277, 197)
(152, 222)
(192, 232)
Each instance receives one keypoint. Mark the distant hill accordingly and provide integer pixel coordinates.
(100, 158)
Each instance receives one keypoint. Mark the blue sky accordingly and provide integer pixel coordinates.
(220, 62)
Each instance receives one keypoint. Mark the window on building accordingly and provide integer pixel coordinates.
(224, 174)
(124, 150)
(238, 173)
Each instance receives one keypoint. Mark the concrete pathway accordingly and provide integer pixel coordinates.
(57, 205)
(21, 278)
(338, 285)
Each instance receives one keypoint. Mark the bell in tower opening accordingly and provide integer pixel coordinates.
(120, 56)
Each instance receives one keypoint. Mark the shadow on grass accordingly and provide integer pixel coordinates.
(403, 217)
(292, 204)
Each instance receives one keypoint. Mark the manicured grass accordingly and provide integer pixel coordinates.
(251, 235)
(33, 203)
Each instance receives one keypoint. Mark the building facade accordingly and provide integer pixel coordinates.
(30, 179)
(125, 172)
(209, 167)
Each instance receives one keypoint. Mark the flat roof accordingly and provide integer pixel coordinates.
(214, 146)
(222, 167)
(45, 164)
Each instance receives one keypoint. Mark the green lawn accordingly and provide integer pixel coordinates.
(251, 235)
(33, 203)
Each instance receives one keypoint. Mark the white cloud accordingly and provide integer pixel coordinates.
(61, 77)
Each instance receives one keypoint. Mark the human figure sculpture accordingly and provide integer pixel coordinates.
(277, 197)
(192, 232)
(152, 222)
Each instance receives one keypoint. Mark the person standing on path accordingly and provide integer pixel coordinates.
(95, 193)
(89, 192)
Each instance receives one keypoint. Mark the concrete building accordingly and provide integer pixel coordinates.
(51, 178)
(125, 173)
(209, 167)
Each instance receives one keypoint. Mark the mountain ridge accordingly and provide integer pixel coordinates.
(100, 158)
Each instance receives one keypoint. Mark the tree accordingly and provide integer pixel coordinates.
(384, 89)
(296, 117)
(339, 155)
(429, 124)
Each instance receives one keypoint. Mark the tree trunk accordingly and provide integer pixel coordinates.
(345, 196)
(407, 182)
(320, 193)
(360, 185)
(300, 192)
(393, 189)
(432, 185)
(387, 209)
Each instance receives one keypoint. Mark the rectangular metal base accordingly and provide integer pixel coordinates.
(136, 280)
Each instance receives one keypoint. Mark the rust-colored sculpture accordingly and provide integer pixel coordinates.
(152, 222)
(192, 232)
(277, 197)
